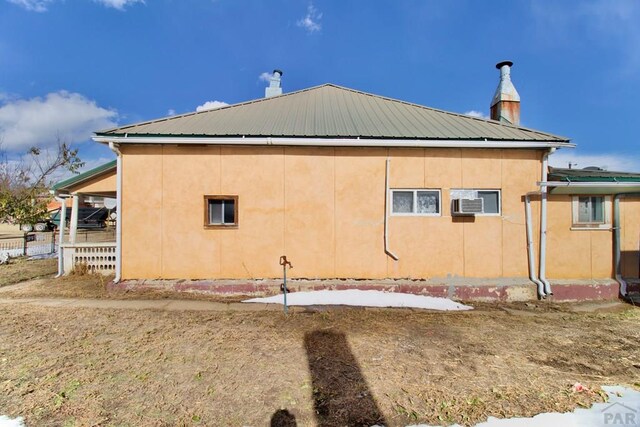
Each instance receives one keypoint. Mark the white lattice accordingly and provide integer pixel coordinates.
(99, 257)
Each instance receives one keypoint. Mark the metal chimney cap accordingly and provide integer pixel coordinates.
(278, 71)
(503, 63)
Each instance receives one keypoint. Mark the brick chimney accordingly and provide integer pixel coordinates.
(505, 106)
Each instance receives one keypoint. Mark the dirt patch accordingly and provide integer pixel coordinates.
(330, 367)
(20, 269)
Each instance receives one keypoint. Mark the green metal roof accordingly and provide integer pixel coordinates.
(85, 176)
(331, 111)
(591, 175)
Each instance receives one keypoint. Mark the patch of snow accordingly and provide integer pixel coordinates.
(622, 409)
(356, 297)
(44, 256)
(11, 422)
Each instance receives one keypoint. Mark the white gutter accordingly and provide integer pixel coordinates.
(386, 211)
(612, 184)
(114, 148)
(63, 219)
(543, 225)
(330, 142)
(532, 261)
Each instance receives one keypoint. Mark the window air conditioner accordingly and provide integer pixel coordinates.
(468, 206)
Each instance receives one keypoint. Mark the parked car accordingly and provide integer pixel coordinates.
(87, 217)
(44, 225)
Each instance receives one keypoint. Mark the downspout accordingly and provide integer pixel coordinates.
(63, 219)
(114, 148)
(617, 241)
(543, 224)
(532, 261)
(386, 211)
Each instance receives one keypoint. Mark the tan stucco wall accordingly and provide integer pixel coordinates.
(102, 184)
(323, 208)
(630, 236)
(588, 254)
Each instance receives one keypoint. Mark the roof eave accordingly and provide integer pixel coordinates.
(332, 142)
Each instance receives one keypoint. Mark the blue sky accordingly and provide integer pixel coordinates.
(70, 67)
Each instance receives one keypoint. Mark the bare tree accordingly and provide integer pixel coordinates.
(24, 182)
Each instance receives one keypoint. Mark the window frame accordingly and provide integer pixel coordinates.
(223, 225)
(575, 213)
(479, 190)
(415, 198)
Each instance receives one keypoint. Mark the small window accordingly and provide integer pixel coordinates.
(415, 202)
(491, 201)
(591, 211)
(221, 211)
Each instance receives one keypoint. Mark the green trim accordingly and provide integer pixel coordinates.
(85, 176)
(582, 175)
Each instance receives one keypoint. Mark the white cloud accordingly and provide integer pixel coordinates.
(171, 112)
(475, 113)
(608, 161)
(311, 21)
(211, 105)
(70, 117)
(119, 4)
(32, 5)
(265, 77)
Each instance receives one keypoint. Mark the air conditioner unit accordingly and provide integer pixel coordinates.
(468, 206)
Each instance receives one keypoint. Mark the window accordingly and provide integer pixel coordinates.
(591, 212)
(415, 202)
(220, 211)
(491, 203)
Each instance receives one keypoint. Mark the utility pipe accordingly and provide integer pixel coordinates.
(332, 142)
(617, 241)
(386, 211)
(543, 224)
(532, 261)
(115, 149)
(63, 219)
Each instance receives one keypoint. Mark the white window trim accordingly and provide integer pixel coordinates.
(480, 189)
(575, 205)
(415, 198)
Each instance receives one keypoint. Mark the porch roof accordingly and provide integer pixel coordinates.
(95, 180)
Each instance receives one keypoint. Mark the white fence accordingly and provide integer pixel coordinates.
(29, 244)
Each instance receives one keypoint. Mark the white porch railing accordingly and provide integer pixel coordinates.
(97, 257)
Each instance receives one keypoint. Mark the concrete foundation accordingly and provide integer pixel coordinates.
(467, 290)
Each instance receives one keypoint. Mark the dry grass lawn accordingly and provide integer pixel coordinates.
(20, 269)
(81, 367)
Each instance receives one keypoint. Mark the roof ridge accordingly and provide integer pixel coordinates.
(226, 107)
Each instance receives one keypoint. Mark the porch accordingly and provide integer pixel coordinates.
(89, 244)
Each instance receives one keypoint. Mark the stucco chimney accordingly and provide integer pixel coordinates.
(505, 106)
(274, 87)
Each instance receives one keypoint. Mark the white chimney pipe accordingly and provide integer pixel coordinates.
(274, 88)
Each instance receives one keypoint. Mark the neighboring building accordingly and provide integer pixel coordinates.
(347, 185)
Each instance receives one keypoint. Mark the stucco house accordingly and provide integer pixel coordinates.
(354, 186)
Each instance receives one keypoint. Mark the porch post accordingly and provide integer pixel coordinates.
(63, 219)
(73, 229)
